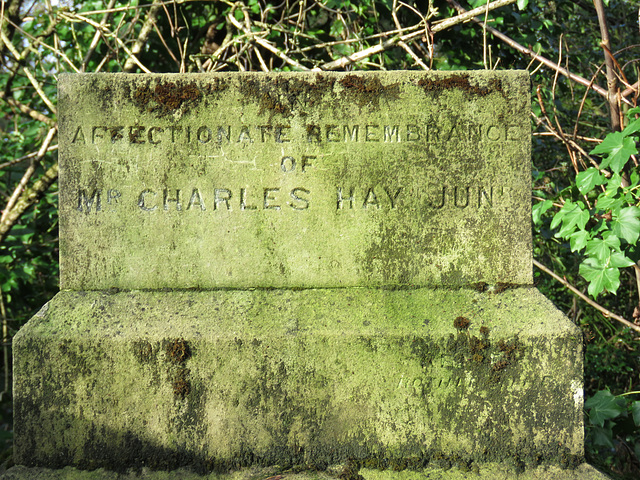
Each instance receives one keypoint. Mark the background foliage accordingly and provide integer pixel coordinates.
(583, 60)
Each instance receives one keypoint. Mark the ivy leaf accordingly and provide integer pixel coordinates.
(600, 276)
(619, 260)
(588, 179)
(635, 411)
(539, 209)
(633, 127)
(609, 200)
(557, 218)
(626, 224)
(578, 240)
(632, 112)
(599, 249)
(574, 216)
(603, 436)
(603, 406)
(617, 149)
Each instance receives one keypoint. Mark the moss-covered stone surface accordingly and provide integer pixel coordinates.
(489, 471)
(393, 379)
(294, 180)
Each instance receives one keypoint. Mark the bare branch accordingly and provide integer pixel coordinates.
(143, 37)
(27, 199)
(438, 27)
(597, 306)
(612, 80)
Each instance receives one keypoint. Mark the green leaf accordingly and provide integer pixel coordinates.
(539, 209)
(600, 276)
(588, 179)
(602, 436)
(599, 249)
(626, 224)
(522, 4)
(619, 260)
(557, 218)
(633, 127)
(635, 412)
(632, 112)
(574, 216)
(617, 149)
(609, 200)
(578, 240)
(603, 406)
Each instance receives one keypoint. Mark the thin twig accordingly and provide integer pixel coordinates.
(96, 36)
(28, 174)
(516, 46)
(612, 79)
(263, 43)
(438, 27)
(143, 37)
(28, 198)
(26, 157)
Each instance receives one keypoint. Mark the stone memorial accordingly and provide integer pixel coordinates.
(318, 272)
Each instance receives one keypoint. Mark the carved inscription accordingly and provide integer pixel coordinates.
(241, 199)
(312, 133)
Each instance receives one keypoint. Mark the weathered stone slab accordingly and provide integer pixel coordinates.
(402, 378)
(490, 471)
(305, 180)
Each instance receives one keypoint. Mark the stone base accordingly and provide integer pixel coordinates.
(480, 472)
(220, 380)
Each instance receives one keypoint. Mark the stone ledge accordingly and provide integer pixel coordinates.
(229, 379)
(482, 472)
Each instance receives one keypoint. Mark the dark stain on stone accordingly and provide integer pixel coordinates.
(143, 351)
(283, 95)
(461, 323)
(368, 90)
(458, 82)
(479, 286)
(168, 97)
(180, 384)
(511, 351)
(178, 350)
(501, 287)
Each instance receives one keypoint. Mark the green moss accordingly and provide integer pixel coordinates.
(362, 376)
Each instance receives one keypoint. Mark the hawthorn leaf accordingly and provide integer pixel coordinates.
(609, 200)
(633, 127)
(574, 217)
(632, 112)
